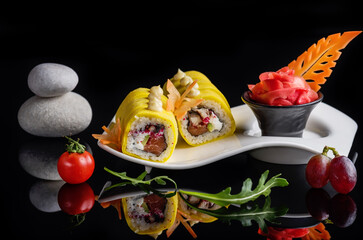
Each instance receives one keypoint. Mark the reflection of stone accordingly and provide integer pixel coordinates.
(65, 115)
(39, 157)
(55, 111)
(44, 195)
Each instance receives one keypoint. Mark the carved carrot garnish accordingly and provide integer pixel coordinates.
(315, 64)
(180, 105)
(317, 232)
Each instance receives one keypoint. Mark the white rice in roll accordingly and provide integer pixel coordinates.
(133, 145)
(208, 136)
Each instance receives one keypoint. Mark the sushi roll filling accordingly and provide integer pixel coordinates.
(150, 139)
(202, 120)
(149, 208)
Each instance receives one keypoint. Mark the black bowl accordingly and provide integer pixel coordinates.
(284, 121)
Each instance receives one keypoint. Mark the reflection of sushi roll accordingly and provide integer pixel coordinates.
(211, 119)
(194, 215)
(148, 131)
(149, 214)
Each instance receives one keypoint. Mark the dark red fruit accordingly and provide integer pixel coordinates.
(343, 175)
(317, 171)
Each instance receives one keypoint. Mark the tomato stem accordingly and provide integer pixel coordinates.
(74, 146)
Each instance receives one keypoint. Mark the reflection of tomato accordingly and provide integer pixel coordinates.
(76, 167)
(275, 233)
(76, 198)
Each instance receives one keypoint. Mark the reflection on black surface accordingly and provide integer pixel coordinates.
(192, 210)
(317, 232)
(307, 207)
(343, 210)
(76, 200)
(44, 195)
(194, 207)
(317, 203)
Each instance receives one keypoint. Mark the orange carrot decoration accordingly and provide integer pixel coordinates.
(112, 136)
(317, 233)
(180, 105)
(315, 64)
(186, 225)
(116, 204)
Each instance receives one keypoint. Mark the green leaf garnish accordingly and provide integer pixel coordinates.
(143, 184)
(225, 198)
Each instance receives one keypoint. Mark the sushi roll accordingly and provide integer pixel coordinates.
(142, 127)
(208, 120)
(193, 214)
(150, 214)
(148, 131)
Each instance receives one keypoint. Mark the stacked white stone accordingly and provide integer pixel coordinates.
(55, 110)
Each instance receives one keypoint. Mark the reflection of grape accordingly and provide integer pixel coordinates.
(317, 171)
(317, 203)
(343, 175)
(343, 210)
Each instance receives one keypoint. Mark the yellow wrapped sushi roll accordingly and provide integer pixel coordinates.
(150, 214)
(193, 214)
(148, 131)
(203, 121)
(143, 128)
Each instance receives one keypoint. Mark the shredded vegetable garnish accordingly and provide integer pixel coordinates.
(180, 105)
(112, 136)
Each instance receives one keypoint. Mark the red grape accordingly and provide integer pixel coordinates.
(343, 175)
(317, 171)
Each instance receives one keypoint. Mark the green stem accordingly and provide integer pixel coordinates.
(74, 146)
(140, 182)
(326, 150)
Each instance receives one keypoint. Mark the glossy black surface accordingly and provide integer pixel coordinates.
(284, 121)
(143, 45)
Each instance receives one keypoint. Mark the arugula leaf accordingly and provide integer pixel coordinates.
(225, 198)
(245, 214)
(143, 184)
(141, 176)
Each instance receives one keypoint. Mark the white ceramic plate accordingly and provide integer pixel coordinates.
(326, 126)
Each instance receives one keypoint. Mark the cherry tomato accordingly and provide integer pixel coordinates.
(76, 168)
(75, 199)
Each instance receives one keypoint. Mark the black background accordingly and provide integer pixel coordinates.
(115, 48)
